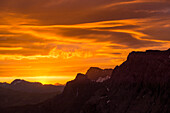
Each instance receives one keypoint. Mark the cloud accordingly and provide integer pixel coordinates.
(77, 34)
(76, 11)
(129, 33)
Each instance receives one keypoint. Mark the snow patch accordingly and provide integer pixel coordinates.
(108, 101)
(17, 82)
(100, 79)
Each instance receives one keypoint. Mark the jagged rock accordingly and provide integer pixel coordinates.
(94, 73)
(140, 84)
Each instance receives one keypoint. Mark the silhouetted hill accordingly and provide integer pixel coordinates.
(9, 97)
(21, 92)
(31, 87)
(139, 85)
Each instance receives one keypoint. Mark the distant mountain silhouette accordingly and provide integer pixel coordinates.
(139, 85)
(58, 84)
(9, 97)
(21, 92)
(31, 87)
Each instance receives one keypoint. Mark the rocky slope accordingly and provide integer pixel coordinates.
(139, 85)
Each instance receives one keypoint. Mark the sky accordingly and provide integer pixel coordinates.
(50, 41)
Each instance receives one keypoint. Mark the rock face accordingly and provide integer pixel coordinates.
(139, 85)
(95, 73)
(150, 66)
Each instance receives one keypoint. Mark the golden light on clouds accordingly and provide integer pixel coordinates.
(50, 41)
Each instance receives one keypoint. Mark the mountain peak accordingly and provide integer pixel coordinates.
(150, 53)
(140, 84)
(58, 84)
(21, 81)
(80, 76)
(95, 68)
(94, 73)
(33, 87)
(16, 81)
(149, 66)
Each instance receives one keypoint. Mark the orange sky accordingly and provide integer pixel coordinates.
(51, 41)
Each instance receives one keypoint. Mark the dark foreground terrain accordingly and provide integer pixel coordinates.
(21, 92)
(139, 85)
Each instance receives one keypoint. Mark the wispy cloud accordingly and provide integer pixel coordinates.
(77, 34)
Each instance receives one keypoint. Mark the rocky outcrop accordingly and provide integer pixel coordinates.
(139, 85)
(95, 73)
(151, 66)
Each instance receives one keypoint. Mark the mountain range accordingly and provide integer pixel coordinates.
(21, 92)
(139, 85)
(31, 87)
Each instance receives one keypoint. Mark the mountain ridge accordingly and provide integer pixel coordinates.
(94, 73)
(140, 84)
(31, 87)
